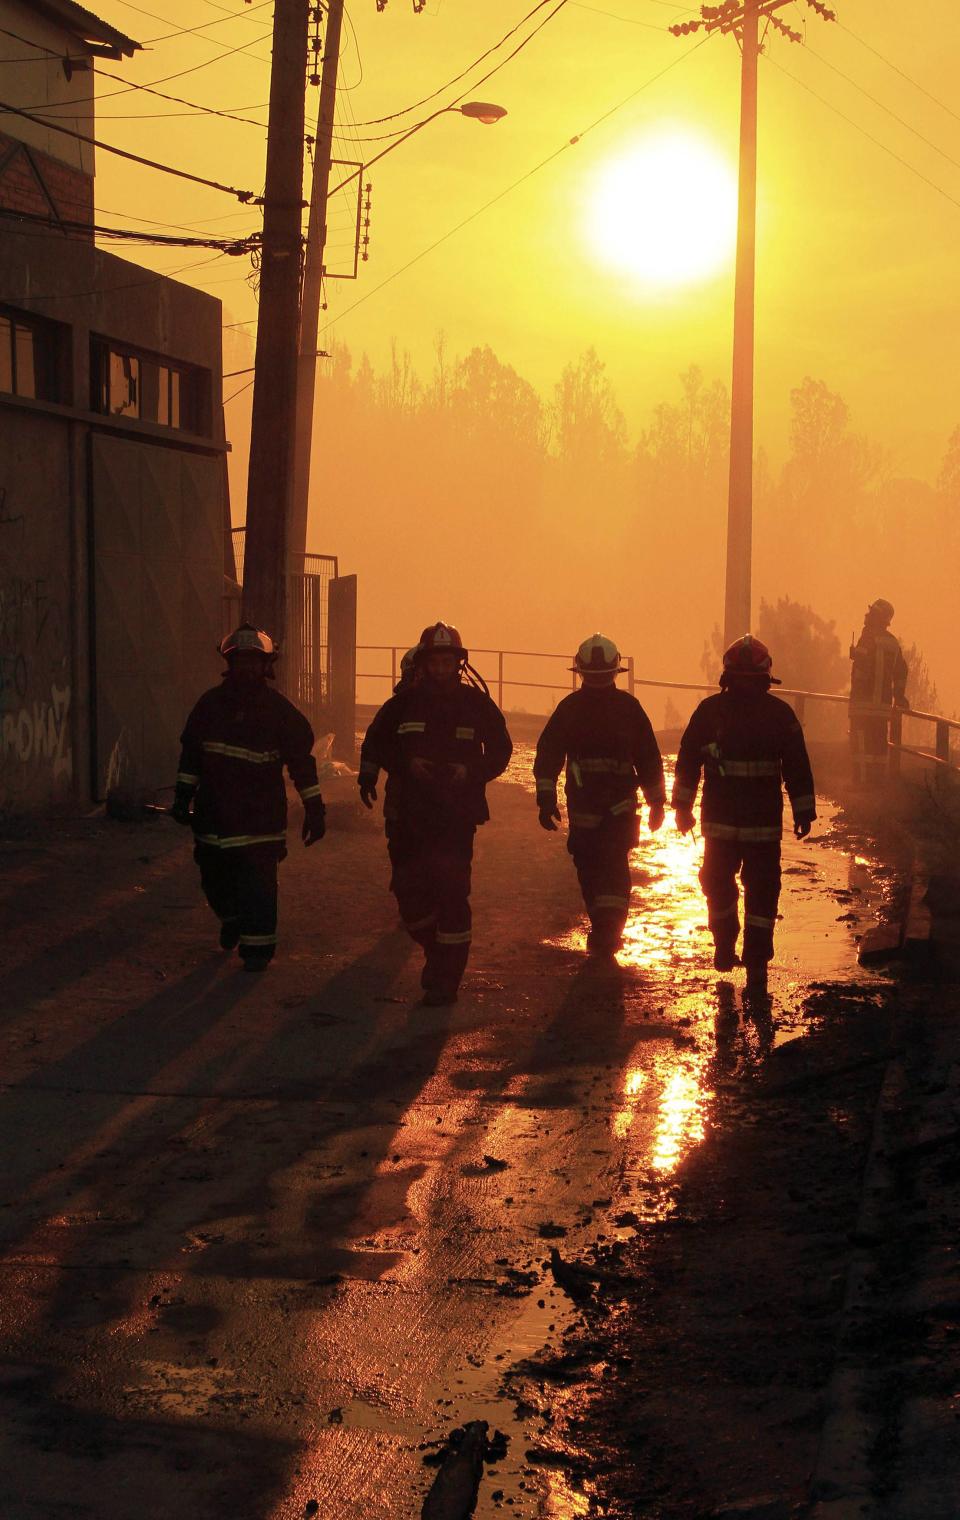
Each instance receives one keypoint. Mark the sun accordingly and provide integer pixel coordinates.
(665, 211)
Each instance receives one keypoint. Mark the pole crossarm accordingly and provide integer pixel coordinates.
(730, 16)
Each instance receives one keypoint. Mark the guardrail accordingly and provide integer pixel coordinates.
(499, 682)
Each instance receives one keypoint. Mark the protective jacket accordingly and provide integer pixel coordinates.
(610, 750)
(235, 746)
(879, 674)
(462, 726)
(748, 747)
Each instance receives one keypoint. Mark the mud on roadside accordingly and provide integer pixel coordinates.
(697, 1384)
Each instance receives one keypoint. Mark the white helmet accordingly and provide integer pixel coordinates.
(598, 656)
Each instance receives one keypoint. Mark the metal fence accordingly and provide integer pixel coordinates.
(498, 666)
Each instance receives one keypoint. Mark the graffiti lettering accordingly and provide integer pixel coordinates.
(40, 732)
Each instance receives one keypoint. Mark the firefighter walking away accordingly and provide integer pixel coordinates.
(440, 739)
(230, 788)
(747, 744)
(605, 739)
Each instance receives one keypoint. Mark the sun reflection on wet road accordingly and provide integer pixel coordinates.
(681, 1115)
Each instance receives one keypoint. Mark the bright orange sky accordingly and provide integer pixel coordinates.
(856, 256)
(856, 252)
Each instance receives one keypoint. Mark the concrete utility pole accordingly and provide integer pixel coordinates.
(742, 18)
(313, 285)
(737, 597)
(270, 477)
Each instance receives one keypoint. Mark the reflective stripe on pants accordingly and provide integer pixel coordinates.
(431, 882)
(758, 866)
(241, 888)
(602, 858)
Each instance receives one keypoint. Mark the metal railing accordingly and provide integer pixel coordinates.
(499, 682)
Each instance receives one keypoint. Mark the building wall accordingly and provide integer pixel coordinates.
(48, 695)
(36, 657)
(35, 81)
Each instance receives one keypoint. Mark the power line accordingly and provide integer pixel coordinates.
(51, 115)
(211, 184)
(508, 190)
(630, 20)
(186, 31)
(377, 121)
(125, 90)
(898, 70)
(131, 234)
(869, 135)
(880, 106)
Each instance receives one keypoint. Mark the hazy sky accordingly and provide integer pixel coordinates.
(855, 255)
(856, 260)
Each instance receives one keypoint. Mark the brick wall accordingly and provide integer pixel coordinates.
(25, 174)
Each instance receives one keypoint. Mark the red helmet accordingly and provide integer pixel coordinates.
(246, 639)
(440, 638)
(748, 657)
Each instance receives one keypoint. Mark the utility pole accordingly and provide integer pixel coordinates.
(270, 477)
(313, 286)
(742, 18)
(737, 595)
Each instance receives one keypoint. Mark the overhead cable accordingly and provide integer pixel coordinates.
(235, 246)
(869, 135)
(509, 189)
(376, 121)
(247, 196)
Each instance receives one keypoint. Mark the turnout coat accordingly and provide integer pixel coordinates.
(747, 748)
(234, 748)
(610, 750)
(461, 727)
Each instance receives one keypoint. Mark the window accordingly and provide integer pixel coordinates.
(128, 384)
(30, 352)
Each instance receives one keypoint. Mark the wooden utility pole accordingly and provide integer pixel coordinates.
(737, 597)
(313, 286)
(270, 477)
(742, 18)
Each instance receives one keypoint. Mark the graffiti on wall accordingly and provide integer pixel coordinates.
(36, 755)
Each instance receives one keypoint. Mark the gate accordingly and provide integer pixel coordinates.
(306, 664)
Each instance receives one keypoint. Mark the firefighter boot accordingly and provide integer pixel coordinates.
(725, 955)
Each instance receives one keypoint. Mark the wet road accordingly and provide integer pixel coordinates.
(268, 1236)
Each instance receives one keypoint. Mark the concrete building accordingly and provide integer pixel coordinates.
(112, 449)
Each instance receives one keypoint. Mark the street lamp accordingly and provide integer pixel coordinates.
(482, 110)
(487, 114)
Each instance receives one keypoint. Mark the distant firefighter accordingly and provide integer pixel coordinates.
(607, 742)
(440, 739)
(878, 682)
(236, 743)
(747, 743)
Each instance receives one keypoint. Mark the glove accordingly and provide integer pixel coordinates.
(685, 820)
(180, 811)
(549, 817)
(314, 821)
(801, 825)
(655, 817)
(368, 793)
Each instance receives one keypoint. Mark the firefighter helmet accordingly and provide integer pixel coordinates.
(440, 638)
(883, 609)
(247, 639)
(748, 657)
(409, 660)
(597, 656)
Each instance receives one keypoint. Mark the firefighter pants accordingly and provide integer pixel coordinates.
(868, 747)
(241, 887)
(759, 868)
(602, 859)
(431, 882)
